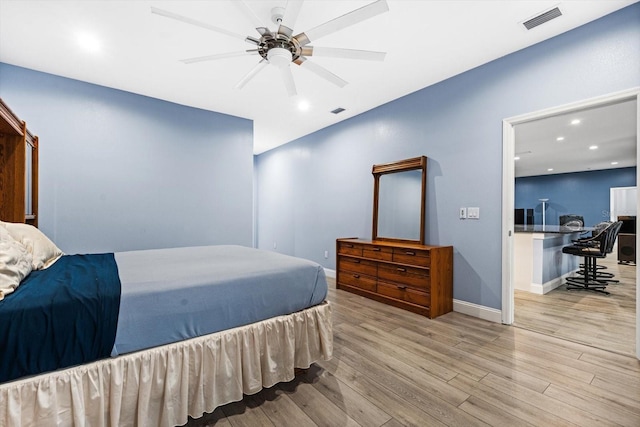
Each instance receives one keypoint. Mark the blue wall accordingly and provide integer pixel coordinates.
(319, 188)
(120, 171)
(581, 193)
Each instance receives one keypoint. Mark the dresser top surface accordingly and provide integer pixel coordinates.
(388, 243)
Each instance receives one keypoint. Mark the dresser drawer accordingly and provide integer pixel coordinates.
(357, 265)
(412, 257)
(404, 293)
(350, 248)
(378, 252)
(414, 277)
(358, 280)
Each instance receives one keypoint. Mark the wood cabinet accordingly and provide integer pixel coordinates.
(412, 276)
(18, 170)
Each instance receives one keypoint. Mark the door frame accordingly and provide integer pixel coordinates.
(508, 190)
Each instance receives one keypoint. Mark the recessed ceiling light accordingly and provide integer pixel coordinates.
(593, 147)
(560, 138)
(575, 121)
(614, 163)
(303, 105)
(549, 170)
(516, 158)
(88, 42)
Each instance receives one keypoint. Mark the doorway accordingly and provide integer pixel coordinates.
(509, 151)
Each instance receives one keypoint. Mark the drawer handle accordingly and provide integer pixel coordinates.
(348, 246)
(410, 253)
(356, 276)
(375, 249)
(356, 261)
(403, 287)
(404, 270)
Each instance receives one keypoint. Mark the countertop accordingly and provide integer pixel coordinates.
(556, 229)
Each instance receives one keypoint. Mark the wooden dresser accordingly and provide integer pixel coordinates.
(415, 277)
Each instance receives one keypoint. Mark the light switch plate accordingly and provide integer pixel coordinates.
(473, 213)
(463, 213)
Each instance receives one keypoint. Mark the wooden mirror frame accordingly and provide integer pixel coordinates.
(400, 166)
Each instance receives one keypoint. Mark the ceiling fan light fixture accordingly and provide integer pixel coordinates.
(279, 57)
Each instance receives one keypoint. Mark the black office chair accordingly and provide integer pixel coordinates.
(602, 275)
(596, 230)
(600, 226)
(591, 249)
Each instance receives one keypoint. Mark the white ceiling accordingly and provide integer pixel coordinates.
(611, 128)
(426, 42)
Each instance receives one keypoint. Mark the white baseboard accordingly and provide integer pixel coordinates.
(330, 273)
(547, 287)
(552, 284)
(475, 310)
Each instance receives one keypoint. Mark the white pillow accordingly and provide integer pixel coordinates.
(43, 250)
(15, 263)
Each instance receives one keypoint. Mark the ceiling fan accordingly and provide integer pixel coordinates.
(280, 48)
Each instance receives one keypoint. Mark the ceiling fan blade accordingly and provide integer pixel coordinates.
(251, 74)
(287, 78)
(336, 52)
(255, 19)
(291, 12)
(216, 56)
(320, 71)
(252, 40)
(187, 20)
(346, 20)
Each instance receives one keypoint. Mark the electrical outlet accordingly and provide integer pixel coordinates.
(326, 254)
(463, 213)
(473, 213)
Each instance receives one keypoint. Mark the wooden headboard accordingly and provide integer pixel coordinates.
(18, 169)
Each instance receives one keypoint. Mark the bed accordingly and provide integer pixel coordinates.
(194, 328)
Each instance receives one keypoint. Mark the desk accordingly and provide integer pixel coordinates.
(539, 264)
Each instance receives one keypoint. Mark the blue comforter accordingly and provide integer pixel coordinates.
(63, 316)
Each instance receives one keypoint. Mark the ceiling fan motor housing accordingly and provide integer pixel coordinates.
(269, 41)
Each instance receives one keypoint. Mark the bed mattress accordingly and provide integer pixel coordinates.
(169, 295)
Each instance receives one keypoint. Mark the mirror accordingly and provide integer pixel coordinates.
(399, 200)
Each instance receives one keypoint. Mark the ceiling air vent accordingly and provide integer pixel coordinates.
(542, 18)
(337, 110)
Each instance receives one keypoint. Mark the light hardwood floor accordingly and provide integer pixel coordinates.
(606, 322)
(394, 368)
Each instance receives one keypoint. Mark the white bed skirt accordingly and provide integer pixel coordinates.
(164, 385)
